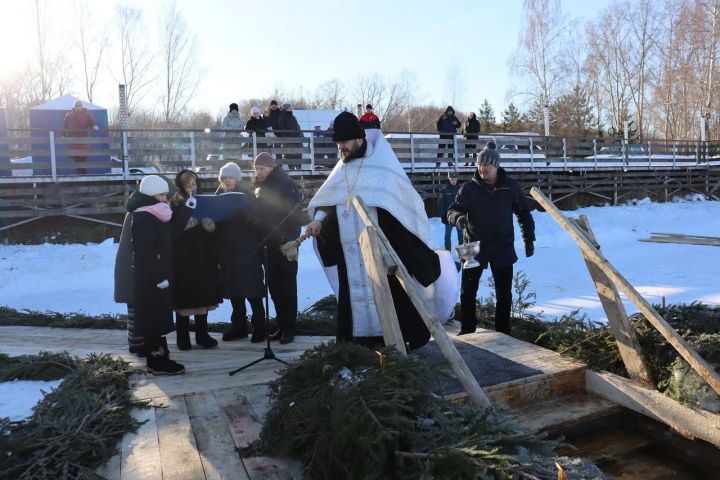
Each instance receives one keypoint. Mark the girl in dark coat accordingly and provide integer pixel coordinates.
(152, 273)
(195, 261)
(241, 260)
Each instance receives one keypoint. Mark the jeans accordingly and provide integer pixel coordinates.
(448, 232)
(502, 277)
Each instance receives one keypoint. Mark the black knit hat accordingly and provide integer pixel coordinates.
(234, 106)
(489, 155)
(346, 127)
(368, 107)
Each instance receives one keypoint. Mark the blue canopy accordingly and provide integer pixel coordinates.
(50, 116)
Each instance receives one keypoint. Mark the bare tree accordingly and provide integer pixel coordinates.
(539, 54)
(707, 57)
(51, 68)
(135, 56)
(181, 78)
(637, 56)
(91, 44)
(389, 98)
(607, 40)
(330, 95)
(454, 84)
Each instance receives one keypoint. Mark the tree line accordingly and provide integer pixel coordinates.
(646, 64)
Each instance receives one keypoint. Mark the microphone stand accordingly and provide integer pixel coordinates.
(268, 354)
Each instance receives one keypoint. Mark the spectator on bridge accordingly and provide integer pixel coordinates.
(232, 120)
(447, 126)
(445, 199)
(484, 208)
(273, 116)
(472, 129)
(77, 124)
(288, 127)
(369, 119)
(256, 124)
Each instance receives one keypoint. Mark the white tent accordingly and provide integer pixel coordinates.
(65, 103)
(309, 118)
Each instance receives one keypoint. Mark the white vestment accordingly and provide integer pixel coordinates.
(378, 178)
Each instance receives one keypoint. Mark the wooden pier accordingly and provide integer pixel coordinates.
(198, 419)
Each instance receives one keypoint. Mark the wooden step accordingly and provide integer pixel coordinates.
(566, 412)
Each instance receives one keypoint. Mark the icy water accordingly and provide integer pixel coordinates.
(631, 447)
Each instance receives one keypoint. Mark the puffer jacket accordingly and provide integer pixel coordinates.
(233, 121)
(280, 213)
(489, 210)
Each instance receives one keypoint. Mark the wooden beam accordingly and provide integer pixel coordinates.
(704, 369)
(683, 239)
(622, 329)
(410, 285)
(687, 421)
(377, 272)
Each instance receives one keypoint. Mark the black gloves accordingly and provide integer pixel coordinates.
(462, 221)
(443, 219)
(529, 249)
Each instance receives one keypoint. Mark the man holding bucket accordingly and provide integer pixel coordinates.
(484, 207)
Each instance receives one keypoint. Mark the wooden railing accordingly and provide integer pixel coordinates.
(47, 155)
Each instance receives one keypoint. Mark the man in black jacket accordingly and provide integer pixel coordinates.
(447, 125)
(484, 208)
(289, 127)
(279, 200)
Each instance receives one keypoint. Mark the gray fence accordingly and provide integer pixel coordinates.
(45, 156)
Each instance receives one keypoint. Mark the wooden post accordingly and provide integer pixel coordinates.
(704, 369)
(192, 151)
(126, 169)
(377, 271)
(53, 159)
(447, 348)
(622, 329)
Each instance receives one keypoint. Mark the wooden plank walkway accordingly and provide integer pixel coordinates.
(197, 420)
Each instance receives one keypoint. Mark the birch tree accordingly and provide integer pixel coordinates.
(135, 56)
(538, 58)
(180, 74)
(91, 43)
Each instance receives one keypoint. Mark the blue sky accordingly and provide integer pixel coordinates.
(248, 48)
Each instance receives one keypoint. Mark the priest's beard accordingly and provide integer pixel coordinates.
(357, 150)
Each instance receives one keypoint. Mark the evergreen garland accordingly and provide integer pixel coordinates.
(345, 415)
(76, 427)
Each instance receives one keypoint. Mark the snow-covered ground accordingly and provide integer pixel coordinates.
(19, 397)
(79, 278)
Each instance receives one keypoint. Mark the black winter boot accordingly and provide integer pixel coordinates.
(158, 358)
(239, 321)
(182, 327)
(201, 333)
(257, 320)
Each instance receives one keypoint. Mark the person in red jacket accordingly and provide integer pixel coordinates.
(369, 119)
(78, 123)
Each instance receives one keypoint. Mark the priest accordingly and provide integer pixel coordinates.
(369, 168)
